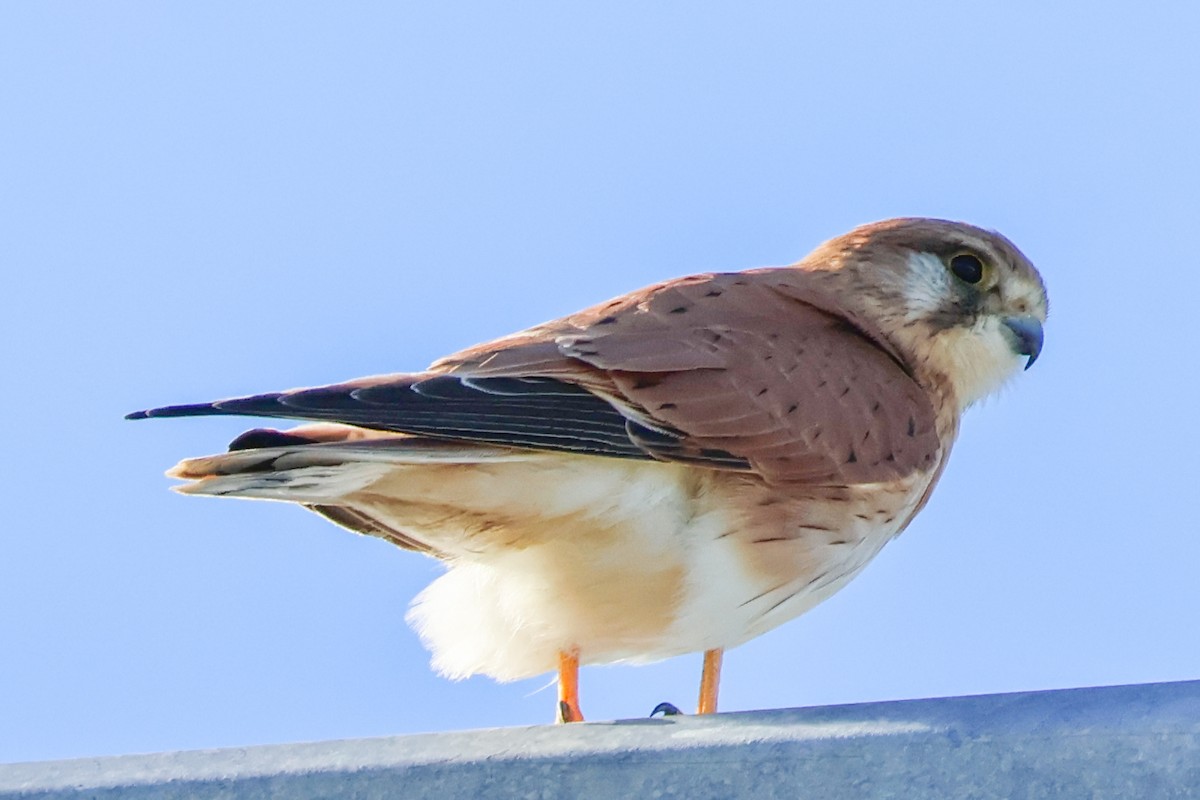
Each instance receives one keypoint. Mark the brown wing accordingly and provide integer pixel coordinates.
(744, 371)
(751, 365)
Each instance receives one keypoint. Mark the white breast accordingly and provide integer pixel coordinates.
(627, 561)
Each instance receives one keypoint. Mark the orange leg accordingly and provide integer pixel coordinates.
(568, 687)
(710, 680)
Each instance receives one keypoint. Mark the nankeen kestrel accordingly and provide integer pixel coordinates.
(680, 469)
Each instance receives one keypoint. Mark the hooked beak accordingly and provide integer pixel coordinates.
(1028, 336)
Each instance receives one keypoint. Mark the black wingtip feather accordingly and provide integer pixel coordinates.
(266, 437)
(260, 404)
(192, 410)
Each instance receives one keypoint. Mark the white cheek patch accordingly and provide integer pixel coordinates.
(927, 283)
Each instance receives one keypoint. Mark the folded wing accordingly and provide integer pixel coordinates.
(743, 371)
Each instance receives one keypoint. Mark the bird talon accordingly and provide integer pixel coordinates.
(567, 713)
(667, 710)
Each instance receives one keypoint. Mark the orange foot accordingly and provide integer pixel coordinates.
(568, 687)
(710, 681)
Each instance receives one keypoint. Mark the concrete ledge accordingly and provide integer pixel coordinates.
(1122, 741)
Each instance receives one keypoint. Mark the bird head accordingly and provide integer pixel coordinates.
(962, 305)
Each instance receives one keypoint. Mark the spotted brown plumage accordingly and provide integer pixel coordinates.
(750, 364)
(679, 469)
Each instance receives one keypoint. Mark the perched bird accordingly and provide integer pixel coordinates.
(677, 470)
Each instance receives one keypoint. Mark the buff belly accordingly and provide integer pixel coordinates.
(622, 560)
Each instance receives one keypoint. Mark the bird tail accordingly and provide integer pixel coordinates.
(318, 463)
(324, 467)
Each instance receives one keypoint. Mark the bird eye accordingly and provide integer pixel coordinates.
(967, 267)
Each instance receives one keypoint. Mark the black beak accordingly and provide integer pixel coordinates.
(1028, 333)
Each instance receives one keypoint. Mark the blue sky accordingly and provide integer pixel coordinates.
(205, 200)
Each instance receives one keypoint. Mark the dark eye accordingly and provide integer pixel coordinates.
(967, 267)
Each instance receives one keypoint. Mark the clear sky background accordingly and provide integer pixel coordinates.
(200, 200)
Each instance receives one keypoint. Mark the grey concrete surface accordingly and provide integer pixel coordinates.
(1124, 741)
